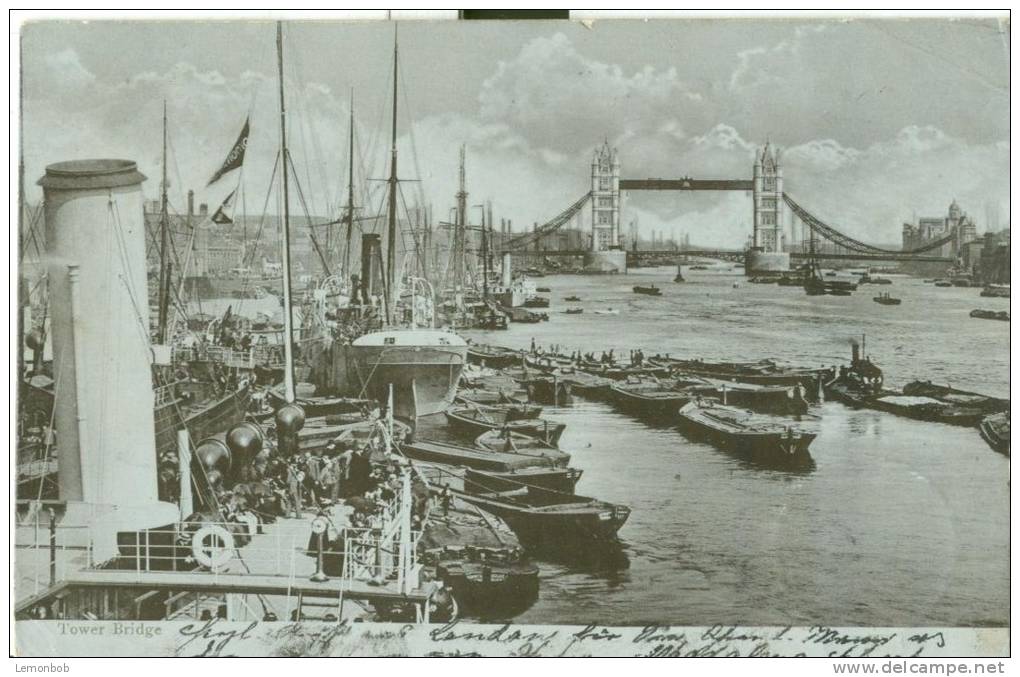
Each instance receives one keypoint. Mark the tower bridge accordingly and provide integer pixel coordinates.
(769, 248)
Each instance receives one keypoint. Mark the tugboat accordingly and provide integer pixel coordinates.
(886, 300)
(572, 298)
(650, 290)
(679, 274)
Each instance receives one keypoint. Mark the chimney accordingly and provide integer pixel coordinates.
(203, 210)
(191, 203)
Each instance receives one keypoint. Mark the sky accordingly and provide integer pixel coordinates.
(877, 121)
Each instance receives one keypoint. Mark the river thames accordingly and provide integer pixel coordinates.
(900, 523)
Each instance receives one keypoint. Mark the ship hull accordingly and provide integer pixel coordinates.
(424, 375)
(216, 416)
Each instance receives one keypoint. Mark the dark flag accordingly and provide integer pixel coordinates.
(220, 216)
(235, 158)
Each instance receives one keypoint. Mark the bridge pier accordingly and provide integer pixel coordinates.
(605, 261)
(758, 261)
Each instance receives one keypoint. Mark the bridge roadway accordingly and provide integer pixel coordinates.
(731, 254)
(686, 184)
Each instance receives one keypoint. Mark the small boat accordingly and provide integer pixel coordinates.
(650, 290)
(572, 299)
(607, 311)
(886, 300)
(547, 390)
(996, 291)
(455, 455)
(775, 399)
(543, 290)
(943, 283)
(574, 311)
(679, 274)
(315, 406)
(473, 421)
(536, 302)
(587, 385)
(648, 399)
(496, 357)
(477, 554)
(760, 441)
(320, 433)
(995, 430)
(555, 479)
(524, 315)
(868, 279)
(956, 397)
(764, 372)
(990, 315)
(509, 442)
(518, 407)
(541, 517)
(699, 267)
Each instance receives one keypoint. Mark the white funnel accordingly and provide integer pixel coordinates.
(95, 242)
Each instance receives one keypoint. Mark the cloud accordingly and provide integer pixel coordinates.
(530, 134)
(764, 66)
(65, 69)
(558, 98)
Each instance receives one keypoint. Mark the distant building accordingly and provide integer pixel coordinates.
(993, 265)
(929, 229)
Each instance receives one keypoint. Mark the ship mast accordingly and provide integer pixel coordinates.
(164, 281)
(350, 194)
(459, 228)
(391, 238)
(485, 258)
(288, 317)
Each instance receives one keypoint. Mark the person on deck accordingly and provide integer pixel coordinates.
(294, 479)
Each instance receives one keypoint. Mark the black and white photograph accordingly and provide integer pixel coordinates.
(414, 336)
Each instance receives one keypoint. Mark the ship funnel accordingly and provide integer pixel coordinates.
(98, 291)
(855, 349)
(507, 271)
(371, 273)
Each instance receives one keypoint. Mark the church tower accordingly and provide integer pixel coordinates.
(768, 201)
(605, 199)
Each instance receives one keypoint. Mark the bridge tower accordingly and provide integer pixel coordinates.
(768, 201)
(605, 199)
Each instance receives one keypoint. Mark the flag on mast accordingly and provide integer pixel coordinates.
(220, 217)
(235, 158)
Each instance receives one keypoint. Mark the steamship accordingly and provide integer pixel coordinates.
(422, 364)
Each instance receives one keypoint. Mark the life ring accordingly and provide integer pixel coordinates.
(212, 546)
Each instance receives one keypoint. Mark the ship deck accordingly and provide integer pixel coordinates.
(273, 564)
